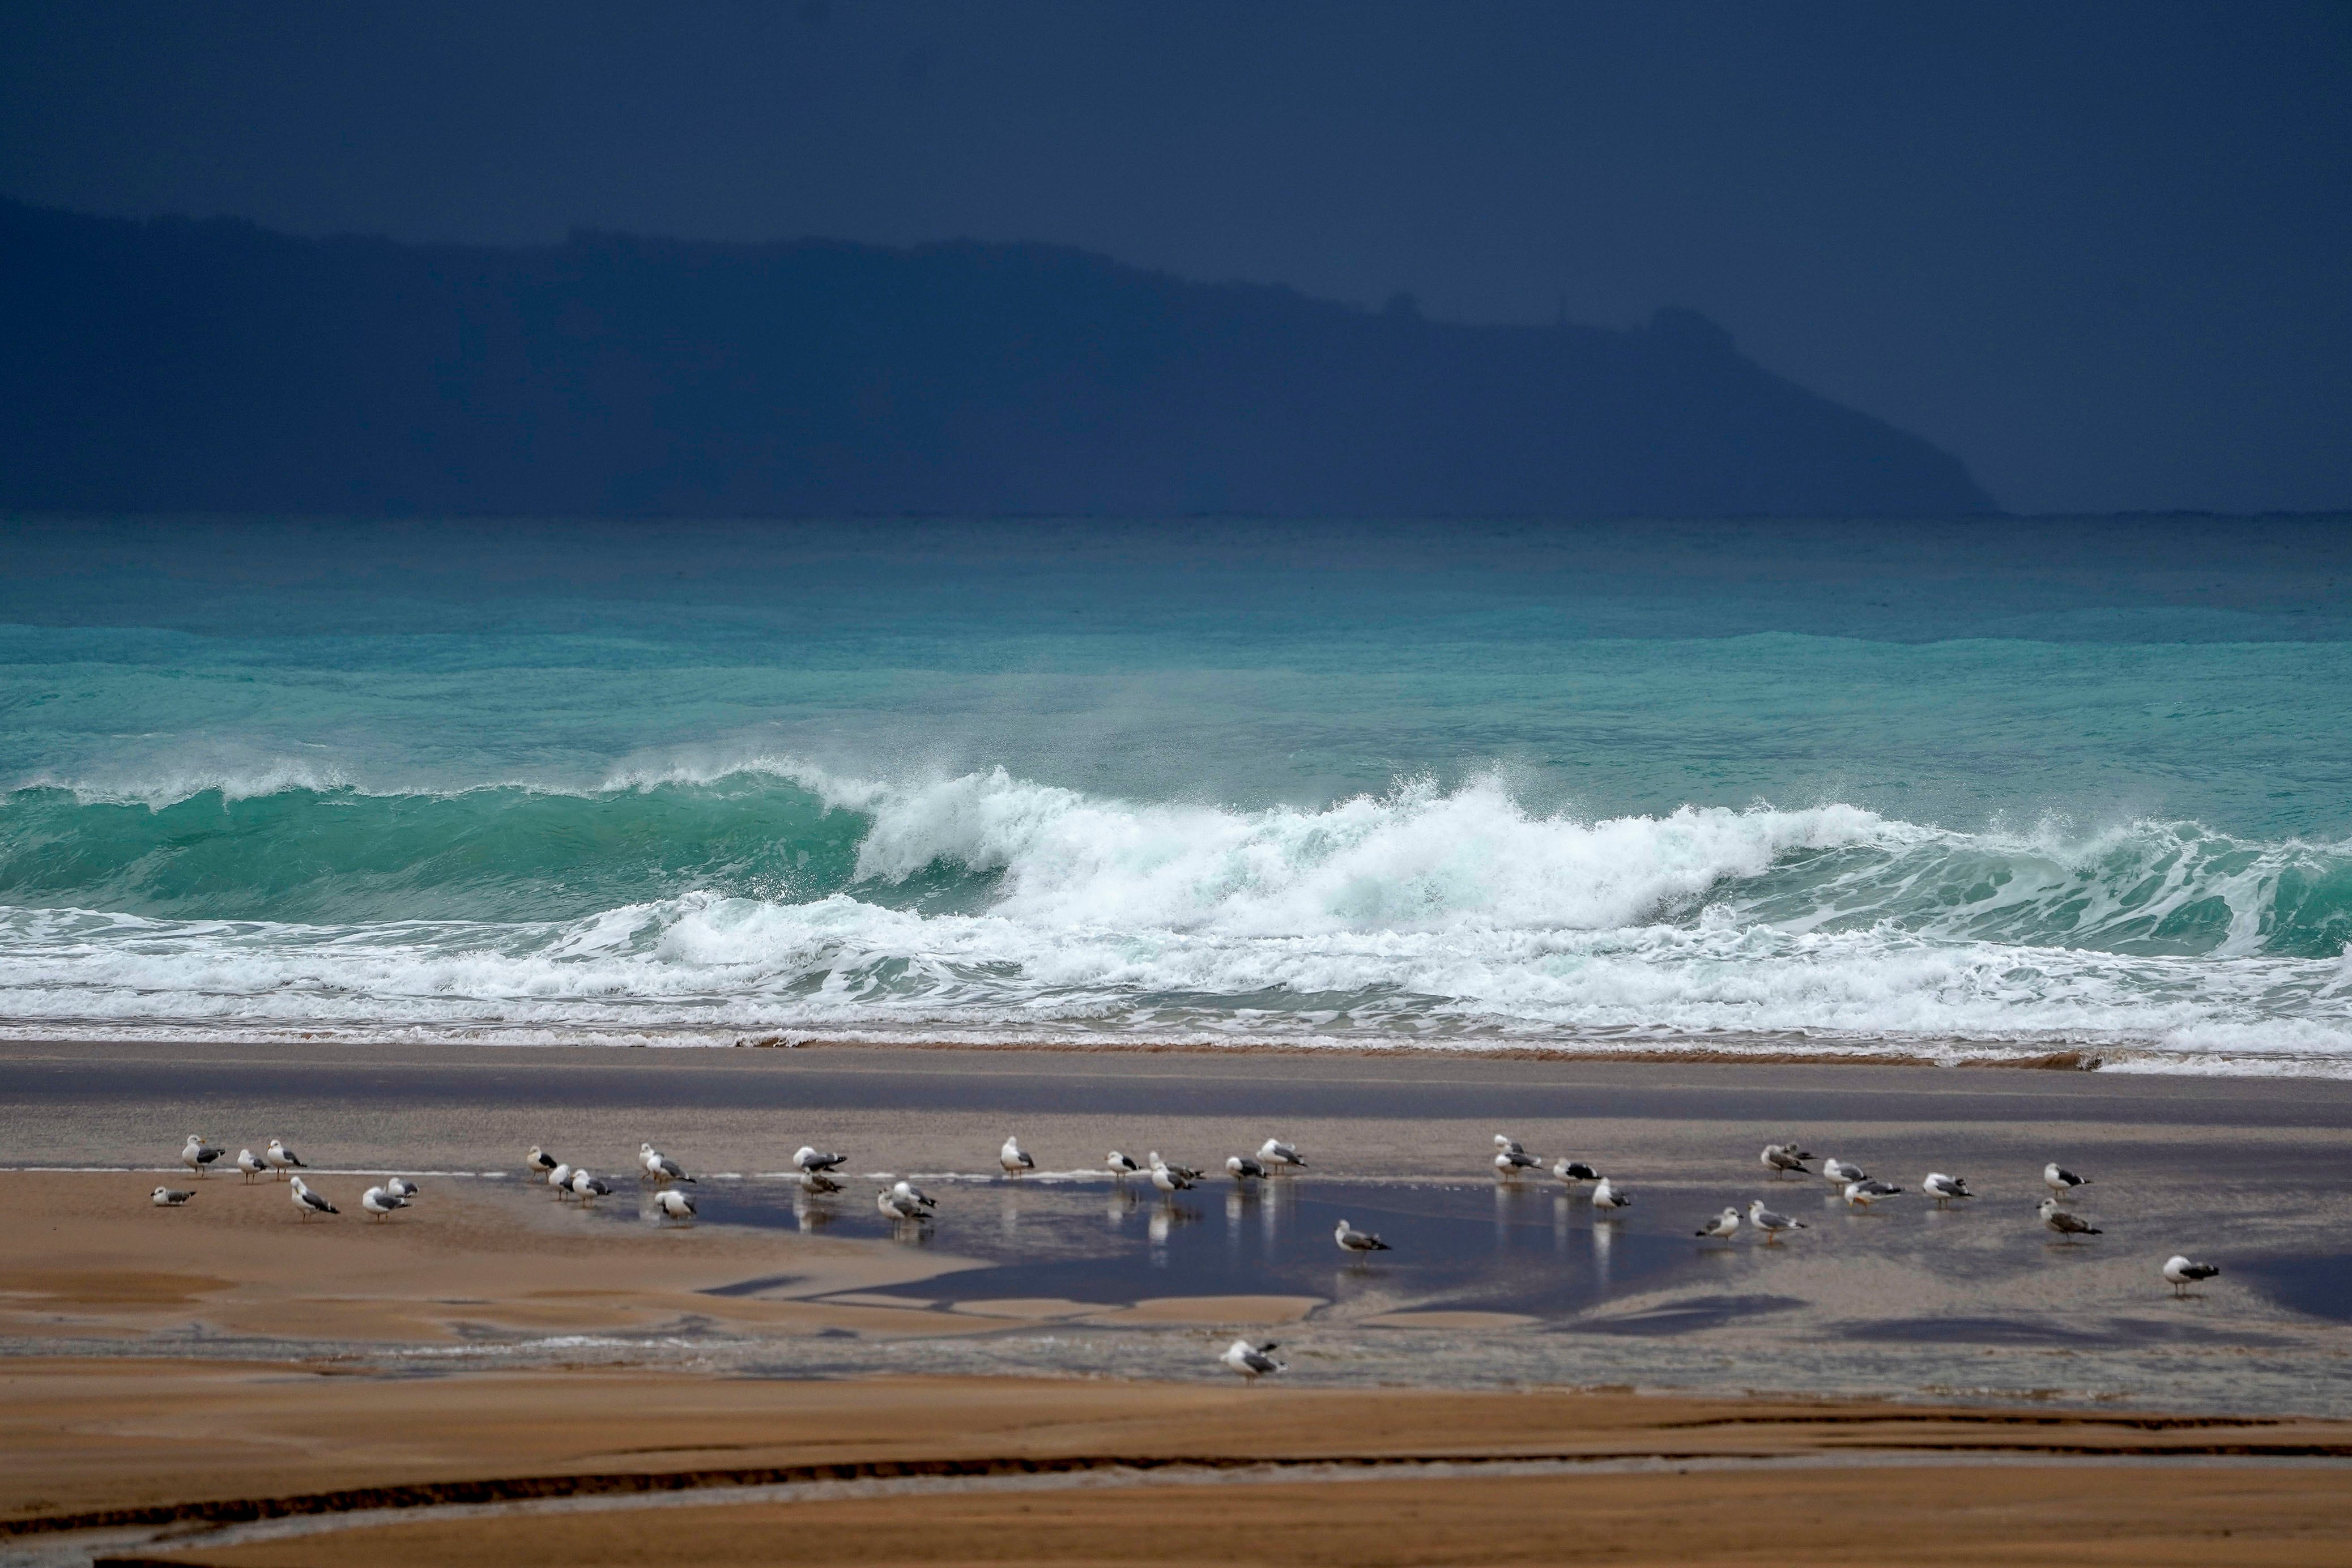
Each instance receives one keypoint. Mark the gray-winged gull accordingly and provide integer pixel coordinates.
(1843, 1171)
(1780, 1159)
(673, 1204)
(279, 1157)
(1275, 1152)
(921, 1199)
(1771, 1223)
(1351, 1239)
(1012, 1158)
(170, 1197)
(660, 1167)
(197, 1155)
(1609, 1197)
(1189, 1174)
(1242, 1168)
(1944, 1188)
(250, 1163)
(309, 1201)
(897, 1206)
(1861, 1194)
(817, 1182)
(560, 1179)
(1723, 1226)
(588, 1188)
(2059, 1180)
(1121, 1166)
(812, 1158)
(1574, 1171)
(378, 1202)
(538, 1161)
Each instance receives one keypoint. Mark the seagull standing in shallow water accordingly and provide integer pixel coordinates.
(2062, 1180)
(1944, 1188)
(588, 1188)
(1012, 1158)
(1351, 1239)
(921, 1199)
(673, 1204)
(1121, 1166)
(1780, 1159)
(175, 1197)
(818, 1183)
(1251, 1360)
(896, 1205)
(1771, 1223)
(1609, 1197)
(1861, 1194)
(560, 1179)
(2067, 1226)
(250, 1163)
(1242, 1168)
(196, 1154)
(1722, 1227)
(1574, 1171)
(1843, 1171)
(2179, 1272)
(1275, 1152)
(660, 1167)
(309, 1201)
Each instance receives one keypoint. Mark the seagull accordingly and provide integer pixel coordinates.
(1722, 1227)
(661, 1166)
(1121, 1166)
(402, 1188)
(1862, 1194)
(1351, 1239)
(1771, 1223)
(279, 1157)
(250, 1163)
(1013, 1161)
(538, 1161)
(309, 1201)
(1510, 1162)
(814, 1159)
(1275, 1152)
(1251, 1360)
(817, 1182)
(560, 1179)
(1170, 1179)
(674, 1204)
(921, 1199)
(172, 1197)
(1608, 1197)
(380, 1202)
(1574, 1171)
(1240, 1167)
(196, 1153)
(1778, 1158)
(2066, 1224)
(588, 1188)
(1509, 1145)
(2062, 1180)
(1843, 1171)
(896, 1205)
(1190, 1175)
(1944, 1188)
(2179, 1272)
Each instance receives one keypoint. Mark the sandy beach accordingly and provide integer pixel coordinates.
(1973, 1377)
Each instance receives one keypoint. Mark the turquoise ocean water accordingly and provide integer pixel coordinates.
(1984, 785)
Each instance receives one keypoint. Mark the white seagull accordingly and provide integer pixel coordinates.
(2179, 1272)
(250, 1163)
(1186, 1172)
(1780, 1158)
(921, 1199)
(1275, 1152)
(1170, 1179)
(172, 1197)
(1609, 1199)
(196, 1153)
(1242, 1168)
(538, 1161)
(1771, 1223)
(380, 1202)
(1013, 1161)
(1509, 1163)
(1723, 1226)
(1351, 1239)
(1843, 1171)
(588, 1188)
(894, 1205)
(817, 1182)
(1944, 1188)
(279, 1157)
(673, 1204)
(659, 1166)
(810, 1158)
(1121, 1166)
(2062, 1180)
(1861, 1194)
(1574, 1171)
(1251, 1360)
(309, 1201)
(560, 1179)
(2066, 1224)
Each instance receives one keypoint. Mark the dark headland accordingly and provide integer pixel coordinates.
(216, 366)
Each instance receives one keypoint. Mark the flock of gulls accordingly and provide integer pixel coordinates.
(817, 1173)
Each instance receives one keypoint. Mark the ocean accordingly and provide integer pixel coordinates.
(1953, 790)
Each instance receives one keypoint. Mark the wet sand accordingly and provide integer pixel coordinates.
(231, 1350)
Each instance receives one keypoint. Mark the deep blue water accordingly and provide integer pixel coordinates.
(2002, 783)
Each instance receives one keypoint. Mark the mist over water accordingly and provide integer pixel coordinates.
(1961, 786)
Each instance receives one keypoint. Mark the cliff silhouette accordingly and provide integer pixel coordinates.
(214, 365)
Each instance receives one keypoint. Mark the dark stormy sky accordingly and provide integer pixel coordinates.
(2104, 252)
